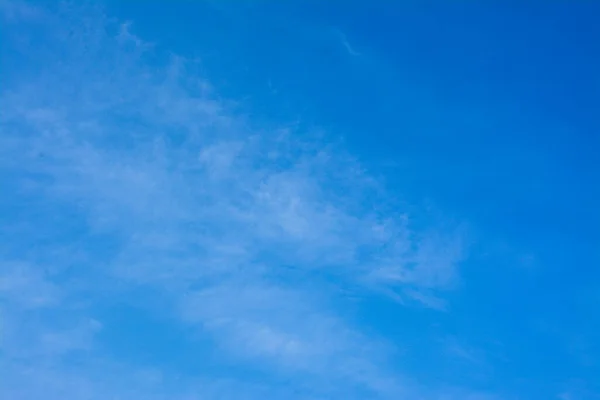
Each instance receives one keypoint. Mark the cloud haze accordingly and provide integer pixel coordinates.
(127, 177)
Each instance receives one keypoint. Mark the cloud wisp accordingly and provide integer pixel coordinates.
(344, 41)
(126, 173)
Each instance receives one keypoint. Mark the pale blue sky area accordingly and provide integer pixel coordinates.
(299, 200)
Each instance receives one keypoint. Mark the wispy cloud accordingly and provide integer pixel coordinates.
(14, 10)
(126, 174)
(345, 43)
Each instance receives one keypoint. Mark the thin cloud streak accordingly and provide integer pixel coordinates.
(344, 41)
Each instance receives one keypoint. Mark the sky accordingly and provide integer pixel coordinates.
(299, 200)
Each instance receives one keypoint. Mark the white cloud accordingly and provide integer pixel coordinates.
(177, 194)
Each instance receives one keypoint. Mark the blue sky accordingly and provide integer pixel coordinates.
(299, 200)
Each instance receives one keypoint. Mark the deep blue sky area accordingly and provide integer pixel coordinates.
(511, 87)
(300, 200)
